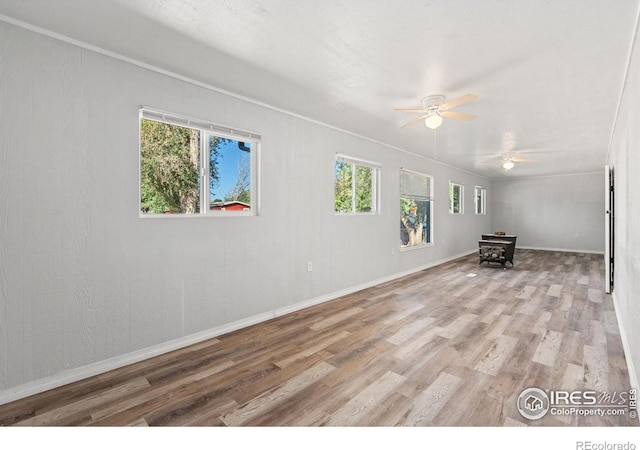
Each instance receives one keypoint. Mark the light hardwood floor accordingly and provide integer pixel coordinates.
(454, 345)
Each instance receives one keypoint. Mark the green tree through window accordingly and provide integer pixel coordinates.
(455, 198)
(343, 187)
(364, 189)
(355, 187)
(170, 163)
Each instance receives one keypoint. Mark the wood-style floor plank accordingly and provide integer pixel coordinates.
(357, 410)
(265, 401)
(429, 403)
(454, 345)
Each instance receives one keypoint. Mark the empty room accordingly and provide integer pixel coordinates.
(288, 213)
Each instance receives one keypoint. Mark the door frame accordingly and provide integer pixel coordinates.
(609, 228)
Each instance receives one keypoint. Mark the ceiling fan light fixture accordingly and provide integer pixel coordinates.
(433, 121)
(508, 165)
(434, 108)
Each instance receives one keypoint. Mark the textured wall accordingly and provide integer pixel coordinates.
(624, 159)
(84, 279)
(562, 212)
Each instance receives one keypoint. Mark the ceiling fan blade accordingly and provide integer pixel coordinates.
(413, 122)
(411, 110)
(493, 161)
(512, 153)
(522, 160)
(457, 115)
(458, 101)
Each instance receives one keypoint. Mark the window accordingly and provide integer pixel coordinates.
(356, 186)
(456, 195)
(481, 200)
(415, 209)
(191, 167)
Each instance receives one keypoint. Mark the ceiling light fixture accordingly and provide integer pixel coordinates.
(433, 121)
(508, 165)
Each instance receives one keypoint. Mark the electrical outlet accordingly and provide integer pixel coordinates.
(309, 266)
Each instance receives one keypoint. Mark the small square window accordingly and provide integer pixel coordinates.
(189, 167)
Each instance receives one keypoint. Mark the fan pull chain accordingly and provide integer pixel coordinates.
(435, 144)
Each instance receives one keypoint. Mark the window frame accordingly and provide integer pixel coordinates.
(483, 200)
(376, 169)
(454, 184)
(206, 130)
(430, 240)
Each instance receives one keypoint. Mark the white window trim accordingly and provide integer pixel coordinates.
(461, 212)
(484, 200)
(375, 188)
(189, 122)
(208, 129)
(431, 200)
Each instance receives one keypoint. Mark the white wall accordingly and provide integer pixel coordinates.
(552, 213)
(624, 158)
(87, 285)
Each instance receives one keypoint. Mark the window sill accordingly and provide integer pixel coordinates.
(415, 247)
(197, 216)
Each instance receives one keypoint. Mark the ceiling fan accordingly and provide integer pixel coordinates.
(434, 108)
(507, 161)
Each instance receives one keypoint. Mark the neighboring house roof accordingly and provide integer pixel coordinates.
(233, 204)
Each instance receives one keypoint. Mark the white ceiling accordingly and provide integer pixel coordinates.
(548, 74)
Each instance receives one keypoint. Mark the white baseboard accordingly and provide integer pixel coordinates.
(73, 375)
(633, 377)
(80, 373)
(564, 250)
(360, 287)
